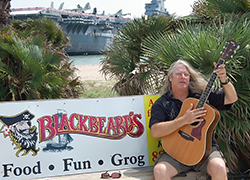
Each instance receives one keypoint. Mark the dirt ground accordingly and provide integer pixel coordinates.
(95, 84)
(89, 72)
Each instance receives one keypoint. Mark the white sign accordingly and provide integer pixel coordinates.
(63, 137)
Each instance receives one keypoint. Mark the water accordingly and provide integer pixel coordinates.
(90, 59)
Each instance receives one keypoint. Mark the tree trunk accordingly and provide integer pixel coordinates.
(4, 12)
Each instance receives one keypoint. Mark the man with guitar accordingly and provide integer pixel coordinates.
(184, 82)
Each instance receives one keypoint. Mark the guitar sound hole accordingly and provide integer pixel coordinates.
(195, 123)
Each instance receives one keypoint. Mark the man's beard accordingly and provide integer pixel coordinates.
(25, 142)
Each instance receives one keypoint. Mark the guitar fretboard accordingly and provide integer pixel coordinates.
(209, 86)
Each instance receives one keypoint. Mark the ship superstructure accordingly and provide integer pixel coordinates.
(156, 8)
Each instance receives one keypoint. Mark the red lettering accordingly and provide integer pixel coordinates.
(149, 112)
(56, 123)
(155, 154)
(82, 123)
(46, 128)
(72, 122)
(128, 123)
(64, 126)
(116, 128)
(150, 103)
(120, 129)
(101, 121)
(110, 126)
(139, 127)
(93, 124)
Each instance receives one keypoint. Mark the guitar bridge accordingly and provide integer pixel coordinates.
(186, 136)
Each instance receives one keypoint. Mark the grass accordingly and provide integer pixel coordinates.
(98, 88)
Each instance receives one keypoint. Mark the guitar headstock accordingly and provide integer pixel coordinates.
(229, 49)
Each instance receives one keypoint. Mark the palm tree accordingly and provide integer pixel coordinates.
(124, 61)
(33, 64)
(209, 9)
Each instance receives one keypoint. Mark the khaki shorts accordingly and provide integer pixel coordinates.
(181, 168)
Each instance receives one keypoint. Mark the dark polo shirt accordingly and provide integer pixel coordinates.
(166, 108)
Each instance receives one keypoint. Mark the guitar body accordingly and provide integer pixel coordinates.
(191, 143)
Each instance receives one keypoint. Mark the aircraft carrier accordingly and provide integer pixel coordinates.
(89, 33)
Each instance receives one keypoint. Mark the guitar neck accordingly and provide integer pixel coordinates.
(209, 86)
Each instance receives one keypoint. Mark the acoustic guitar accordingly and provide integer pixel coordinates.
(191, 143)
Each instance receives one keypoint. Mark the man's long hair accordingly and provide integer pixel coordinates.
(197, 82)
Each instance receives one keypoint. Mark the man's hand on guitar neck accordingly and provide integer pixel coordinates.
(221, 72)
(230, 92)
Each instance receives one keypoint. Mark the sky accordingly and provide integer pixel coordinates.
(135, 7)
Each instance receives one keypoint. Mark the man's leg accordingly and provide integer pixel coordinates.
(216, 168)
(164, 171)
